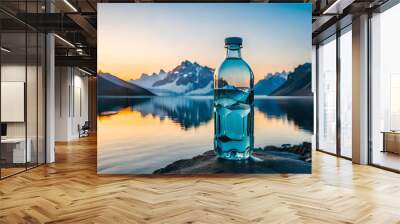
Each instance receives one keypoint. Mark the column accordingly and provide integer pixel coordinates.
(360, 90)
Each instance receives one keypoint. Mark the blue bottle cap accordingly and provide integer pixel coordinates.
(233, 40)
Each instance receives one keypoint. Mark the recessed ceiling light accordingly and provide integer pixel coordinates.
(70, 5)
(84, 71)
(333, 6)
(64, 40)
(5, 50)
(337, 7)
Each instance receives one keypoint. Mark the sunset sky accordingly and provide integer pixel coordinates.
(144, 38)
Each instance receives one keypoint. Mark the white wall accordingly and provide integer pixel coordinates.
(80, 105)
(71, 102)
(61, 103)
(13, 72)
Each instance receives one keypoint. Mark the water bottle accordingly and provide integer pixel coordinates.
(233, 105)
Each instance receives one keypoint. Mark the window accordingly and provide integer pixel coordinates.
(385, 89)
(346, 93)
(327, 95)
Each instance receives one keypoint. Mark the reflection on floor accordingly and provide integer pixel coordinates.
(387, 159)
(70, 191)
(11, 169)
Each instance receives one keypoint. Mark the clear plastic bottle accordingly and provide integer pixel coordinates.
(233, 105)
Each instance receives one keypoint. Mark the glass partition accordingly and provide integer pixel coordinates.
(13, 94)
(22, 107)
(31, 97)
(41, 97)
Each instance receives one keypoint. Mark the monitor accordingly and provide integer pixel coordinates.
(3, 129)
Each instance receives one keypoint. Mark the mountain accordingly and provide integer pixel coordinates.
(188, 78)
(298, 83)
(146, 81)
(205, 91)
(110, 85)
(270, 83)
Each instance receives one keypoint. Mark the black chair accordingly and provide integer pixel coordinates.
(84, 130)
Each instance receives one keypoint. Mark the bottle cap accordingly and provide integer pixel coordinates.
(233, 40)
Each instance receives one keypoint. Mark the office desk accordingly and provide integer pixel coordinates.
(16, 147)
(391, 141)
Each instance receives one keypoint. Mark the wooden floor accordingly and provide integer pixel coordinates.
(5, 172)
(70, 191)
(387, 159)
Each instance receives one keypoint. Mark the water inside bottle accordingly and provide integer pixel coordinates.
(233, 115)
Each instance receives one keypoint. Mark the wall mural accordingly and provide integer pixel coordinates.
(204, 88)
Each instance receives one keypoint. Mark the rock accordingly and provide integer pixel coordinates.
(271, 159)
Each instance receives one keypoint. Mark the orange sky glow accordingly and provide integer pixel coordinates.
(161, 36)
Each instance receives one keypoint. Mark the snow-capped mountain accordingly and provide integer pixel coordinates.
(270, 83)
(188, 78)
(205, 91)
(147, 81)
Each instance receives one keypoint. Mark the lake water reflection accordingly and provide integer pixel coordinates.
(138, 135)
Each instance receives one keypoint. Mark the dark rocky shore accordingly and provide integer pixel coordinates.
(270, 159)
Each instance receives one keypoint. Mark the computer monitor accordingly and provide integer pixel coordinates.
(3, 129)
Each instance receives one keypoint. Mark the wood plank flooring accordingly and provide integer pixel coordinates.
(70, 191)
